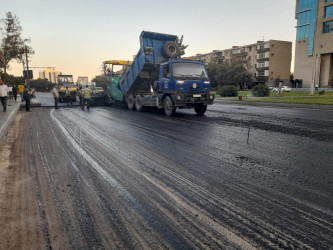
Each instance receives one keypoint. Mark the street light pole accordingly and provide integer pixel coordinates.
(26, 58)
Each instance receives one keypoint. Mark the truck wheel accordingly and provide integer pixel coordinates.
(169, 108)
(200, 109)
(138, 103)
(171, 49)
(130, 102)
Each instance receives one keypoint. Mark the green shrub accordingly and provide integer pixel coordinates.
(260, 90)
(227, 90)
(321, 92)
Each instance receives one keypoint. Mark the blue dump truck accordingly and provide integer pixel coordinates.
(158, 78)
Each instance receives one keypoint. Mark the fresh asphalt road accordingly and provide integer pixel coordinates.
(239, 177)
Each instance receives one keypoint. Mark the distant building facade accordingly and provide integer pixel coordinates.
(82, 80)
(314, 43)
(268, 61)
(50, 74)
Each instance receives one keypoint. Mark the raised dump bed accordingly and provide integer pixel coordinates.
(155, 48)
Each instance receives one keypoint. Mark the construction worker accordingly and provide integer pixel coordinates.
(80, 93)
(55, 93)
(20, 90)
(86, 97)
(27, 94)
(68, 97)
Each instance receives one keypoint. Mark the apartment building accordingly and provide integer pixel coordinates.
(314, 43)
(50, 74)
(268, 61)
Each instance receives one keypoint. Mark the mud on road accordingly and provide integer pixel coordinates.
(115, 179)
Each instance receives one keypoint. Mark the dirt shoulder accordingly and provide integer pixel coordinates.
(19, 214)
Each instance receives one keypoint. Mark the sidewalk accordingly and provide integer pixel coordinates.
(6, 118)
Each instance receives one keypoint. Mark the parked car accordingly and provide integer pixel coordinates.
(283, 89)
(286, 88)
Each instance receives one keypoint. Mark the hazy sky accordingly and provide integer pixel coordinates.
(76, 36)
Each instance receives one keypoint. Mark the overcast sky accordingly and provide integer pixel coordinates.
(76, 36)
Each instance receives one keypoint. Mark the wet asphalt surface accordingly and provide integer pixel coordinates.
(239, 177)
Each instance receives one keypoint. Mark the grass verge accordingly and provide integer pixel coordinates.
(286, 97)
(299, 100)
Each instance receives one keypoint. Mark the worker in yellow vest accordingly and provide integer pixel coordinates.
(86, 97)
(20, 88)
(68, 97)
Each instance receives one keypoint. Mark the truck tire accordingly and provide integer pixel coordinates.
(200, 109)
(138, 103)
(171, 49)
(169, 108)
(130, 102)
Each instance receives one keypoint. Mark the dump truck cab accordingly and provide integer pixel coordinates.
(186, 82)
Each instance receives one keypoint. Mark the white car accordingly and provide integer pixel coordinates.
(283, 89)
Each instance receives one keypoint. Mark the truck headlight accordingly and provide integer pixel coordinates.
(211, 96)
(180, 82)
(206, 82)
(178, 97)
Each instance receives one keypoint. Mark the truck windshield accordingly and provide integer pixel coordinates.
(192, 71)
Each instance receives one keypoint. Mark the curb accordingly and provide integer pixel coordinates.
(8, 122)
(34, 103)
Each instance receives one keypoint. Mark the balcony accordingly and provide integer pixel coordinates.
(262, 50)
(240, 54)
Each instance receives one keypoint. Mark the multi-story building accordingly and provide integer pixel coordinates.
(268, 61)
(314, 43)
(50, 74)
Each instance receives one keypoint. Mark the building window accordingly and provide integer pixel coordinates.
(329, 11)
(328, 27)
(306, 22)
(261, 73)
(261, 65)
(327, 1)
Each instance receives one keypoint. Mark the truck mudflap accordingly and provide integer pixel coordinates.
(188, 99)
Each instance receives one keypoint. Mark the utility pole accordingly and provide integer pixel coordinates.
(26, 58)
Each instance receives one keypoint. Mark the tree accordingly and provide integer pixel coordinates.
(212, 67)
(12, 44)
(100, 81)
(181, 46)
(230, 73)
(41, 84)
(12, 80)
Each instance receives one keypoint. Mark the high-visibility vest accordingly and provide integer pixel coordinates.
(86, 94)
(21, 88)
(67, 92)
